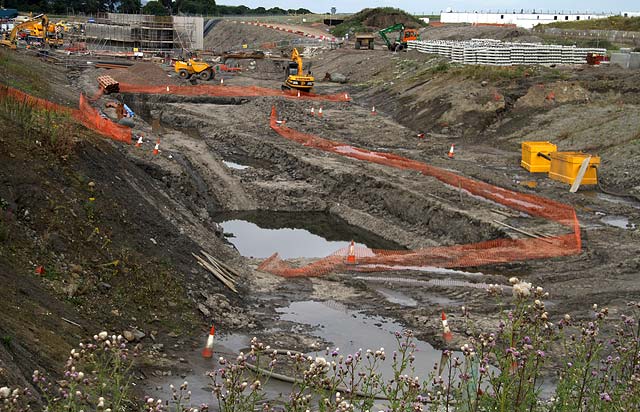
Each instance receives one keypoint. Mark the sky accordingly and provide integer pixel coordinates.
(423, 7)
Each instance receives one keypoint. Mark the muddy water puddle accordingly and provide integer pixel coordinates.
(350, 331)
(618, 221)
(295, 234)
(233, 165)
(196, 373)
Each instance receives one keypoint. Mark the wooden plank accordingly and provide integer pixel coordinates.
(524, 232)
(583, 169)
(227, 282)
(221, 263)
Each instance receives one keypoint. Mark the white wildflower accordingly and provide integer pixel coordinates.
(4, 392)
(521, 290)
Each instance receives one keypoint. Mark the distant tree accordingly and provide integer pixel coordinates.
(276, 11)
(156, 8)
(303, 11)
(129, 6)
(259, 10)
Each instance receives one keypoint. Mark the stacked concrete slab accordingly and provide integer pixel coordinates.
(626, 59)
(497, 53)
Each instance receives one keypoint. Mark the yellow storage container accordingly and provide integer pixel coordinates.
(565, 167)
(532, 161)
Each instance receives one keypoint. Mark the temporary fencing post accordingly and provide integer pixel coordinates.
(156, 149)
(451, 153)
(139, 143)
(446, 331)
(207, 352)
(351, 257)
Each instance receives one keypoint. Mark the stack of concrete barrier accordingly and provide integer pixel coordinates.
(497, 53)
(626, 59)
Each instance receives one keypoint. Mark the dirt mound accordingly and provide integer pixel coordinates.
(142, 73)
(376, 19)
(227, 36)
(456, 32)
(543, 95)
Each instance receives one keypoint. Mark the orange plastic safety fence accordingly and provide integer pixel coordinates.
(90, 117)
(229, 91)
(474, 254)
(22, 97)
(86, 114)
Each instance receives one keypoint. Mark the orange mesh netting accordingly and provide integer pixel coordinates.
(473, 254)
(87, 115)
(36, 102)
(229, 91)
(91, 118)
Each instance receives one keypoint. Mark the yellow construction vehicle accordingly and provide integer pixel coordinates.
(41, 20)
(203, 70)
(296, 79)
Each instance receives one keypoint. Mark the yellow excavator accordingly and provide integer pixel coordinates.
(41, 20)
(296, 79)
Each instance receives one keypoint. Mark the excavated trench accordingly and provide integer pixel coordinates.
(286, 177)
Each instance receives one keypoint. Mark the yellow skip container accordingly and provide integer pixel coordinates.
(535, 156)
(565, 167)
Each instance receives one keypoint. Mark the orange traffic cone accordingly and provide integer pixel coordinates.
(446, 332)
(346, 96)
(167, 89)
(298, 93)
(351, 257)
(221, 81)
(420, 135)
(320, 112)
(373, 111)
(313, 112)
(40, 270)
(207, 352)
(451, 153)
(156, 149)
(139, 143)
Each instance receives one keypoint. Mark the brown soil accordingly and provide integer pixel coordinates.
(171, 198)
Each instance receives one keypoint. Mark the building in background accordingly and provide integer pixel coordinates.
(523, 19)
(117, 31)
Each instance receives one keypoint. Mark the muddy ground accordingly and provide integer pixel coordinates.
(159, 209)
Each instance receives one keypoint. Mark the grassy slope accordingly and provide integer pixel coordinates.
(610, 23)
(99, 268)
(368, 20)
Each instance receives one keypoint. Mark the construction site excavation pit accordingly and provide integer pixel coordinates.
(259, 234)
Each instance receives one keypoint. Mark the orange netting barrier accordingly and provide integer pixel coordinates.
(91, 118)
(229, 91)
(473, 254)
(36, 102)
(87, 115)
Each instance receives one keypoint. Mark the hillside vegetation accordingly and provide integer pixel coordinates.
(368, 20)
(610, 23)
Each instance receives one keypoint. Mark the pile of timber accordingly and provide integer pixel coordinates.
(223, 272)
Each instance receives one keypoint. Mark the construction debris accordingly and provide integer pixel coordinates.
(220, 270)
